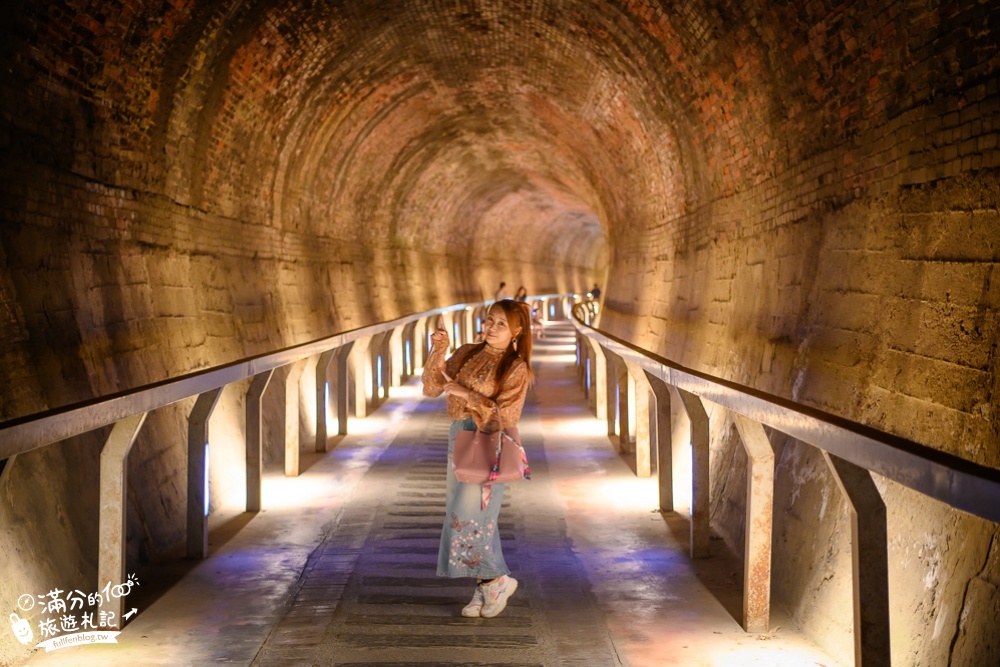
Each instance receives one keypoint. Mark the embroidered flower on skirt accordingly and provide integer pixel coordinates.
(470, 545)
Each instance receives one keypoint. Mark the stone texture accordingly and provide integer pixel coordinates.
(799, 197)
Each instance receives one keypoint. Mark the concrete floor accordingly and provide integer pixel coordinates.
(339, 568)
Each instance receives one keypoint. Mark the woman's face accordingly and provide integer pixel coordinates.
(497, 329)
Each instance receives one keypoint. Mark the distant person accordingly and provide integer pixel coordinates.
(484, 383)
(522, 294)
(501, 292)
(595, 293)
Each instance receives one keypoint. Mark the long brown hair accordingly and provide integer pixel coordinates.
(518, 317)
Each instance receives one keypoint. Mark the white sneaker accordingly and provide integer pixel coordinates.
(472, 609)
(496, 594)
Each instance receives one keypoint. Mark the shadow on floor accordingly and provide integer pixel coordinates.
(160, 576)
(721, 573)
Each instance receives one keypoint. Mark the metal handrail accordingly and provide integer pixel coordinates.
(957, 482)
(29, 432)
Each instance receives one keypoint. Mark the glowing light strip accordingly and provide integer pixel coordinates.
(206, 479)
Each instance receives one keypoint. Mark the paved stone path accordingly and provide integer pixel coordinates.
(339, 567)
(369, 594)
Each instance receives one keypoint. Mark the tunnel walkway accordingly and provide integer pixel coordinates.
(339, 569)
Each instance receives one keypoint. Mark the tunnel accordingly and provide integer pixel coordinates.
(800, 200)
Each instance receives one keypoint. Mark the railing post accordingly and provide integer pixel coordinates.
(343, 372)
(407, 351)
(360, 362)
(255, 439)
(700, 532)
(385, 351)
(323, 398)
(581, 363)
(643, 422)
(618, 396)
(292, 419)
(374, 352)
(478, 315)
(397, 365)
(631, 408)
(599, 388)
(419, 343)
(454, 334)
(114, 500)
(869, 561)
(660, 432)
(469, 324)
(610, 398)
(198, 496)
(759, 518)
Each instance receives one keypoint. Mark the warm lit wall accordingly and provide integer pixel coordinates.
(847, 259)
(800, 198)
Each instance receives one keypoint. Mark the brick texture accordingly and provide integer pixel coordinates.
(802, 197)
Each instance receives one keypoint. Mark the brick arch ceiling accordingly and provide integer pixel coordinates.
(455, 127)
(445, 127)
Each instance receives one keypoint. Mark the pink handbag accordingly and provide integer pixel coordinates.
(484, 458)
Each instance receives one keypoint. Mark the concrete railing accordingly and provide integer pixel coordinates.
(357, 366)
(854, 452)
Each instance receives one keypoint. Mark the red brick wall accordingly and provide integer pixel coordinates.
(801, 197)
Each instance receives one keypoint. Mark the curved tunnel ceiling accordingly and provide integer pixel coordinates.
(547, 131)
(530, 128)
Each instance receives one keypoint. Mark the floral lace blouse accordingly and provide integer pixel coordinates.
(478, 375)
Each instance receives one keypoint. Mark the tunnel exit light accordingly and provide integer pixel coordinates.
(407, 361)
(552, 310)
(454, 328)
(378, 373)
(206, 479)
(326, 395)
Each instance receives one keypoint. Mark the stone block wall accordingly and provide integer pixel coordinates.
(844, 255)
(156, 219)
(799, 197)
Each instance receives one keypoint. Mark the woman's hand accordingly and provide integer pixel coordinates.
(452, 388)
(439, 336)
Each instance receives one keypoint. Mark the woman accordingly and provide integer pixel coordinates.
(479, 379)
(521, 294)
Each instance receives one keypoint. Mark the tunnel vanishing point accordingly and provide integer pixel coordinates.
(799, 197)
